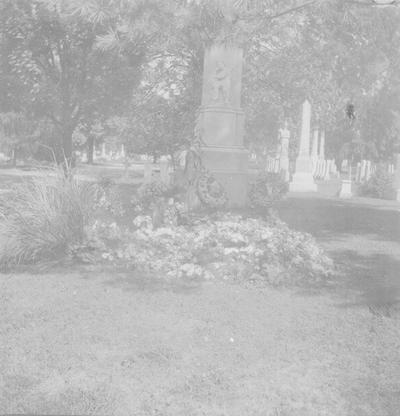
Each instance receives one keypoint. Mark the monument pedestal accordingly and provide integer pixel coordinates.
(229, 167)
(303, 180)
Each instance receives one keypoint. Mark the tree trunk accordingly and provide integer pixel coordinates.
(67, 160)
(14, 156)
(90, 149)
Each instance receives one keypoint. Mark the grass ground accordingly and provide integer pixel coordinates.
(116, 172)
(362, 236)
(101, 342)
(84, 343)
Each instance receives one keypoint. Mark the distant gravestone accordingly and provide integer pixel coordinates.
(314, 150)
(346, 191)
(164, 172)
(334, 168)
(368, 170)
(328, 168)
(148, 171)
(363, 170)
(322, 145)
(284, 156)
(397, 177)
(358, 172)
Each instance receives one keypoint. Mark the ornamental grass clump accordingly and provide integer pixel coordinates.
(44, 219)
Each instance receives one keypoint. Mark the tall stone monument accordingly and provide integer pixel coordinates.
(322, 145)
(314, 150)
(303, 180)
(221, 121)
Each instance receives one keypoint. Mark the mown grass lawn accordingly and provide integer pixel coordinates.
(92, 341)
(85, 342)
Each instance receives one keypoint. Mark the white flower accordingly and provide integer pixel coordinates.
(230, 250)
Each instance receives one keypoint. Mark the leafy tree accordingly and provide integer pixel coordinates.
(161, 127)
(59, 62)
(332, 53)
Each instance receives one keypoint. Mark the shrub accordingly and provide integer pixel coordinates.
(150, 193)
(44, 218)
(267, 189)
(109, 199)
(106, 181)
(380, 185)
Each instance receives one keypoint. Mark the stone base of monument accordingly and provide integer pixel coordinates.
(236, 187)
(303, 179)
(303, 182)
(345, 191)
(229, 167)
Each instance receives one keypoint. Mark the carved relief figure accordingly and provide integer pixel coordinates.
(233, 10)
(221, 83)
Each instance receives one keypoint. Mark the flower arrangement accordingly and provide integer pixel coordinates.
(229, 247)
(160, 201)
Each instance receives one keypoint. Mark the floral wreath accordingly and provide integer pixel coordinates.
(210, 191)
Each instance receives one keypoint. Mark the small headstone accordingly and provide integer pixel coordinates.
(148, 171)
(276, 166)
(345, 191)
(324, 165)
(164, 171)
(358, 172)
(322, 145)
(327, 175)
(334, 167)
(363, 170)
(368, 170)
(284, 156)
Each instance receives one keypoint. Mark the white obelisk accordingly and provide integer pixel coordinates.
(303, 180)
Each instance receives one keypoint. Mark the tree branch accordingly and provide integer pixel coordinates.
(294, 9)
